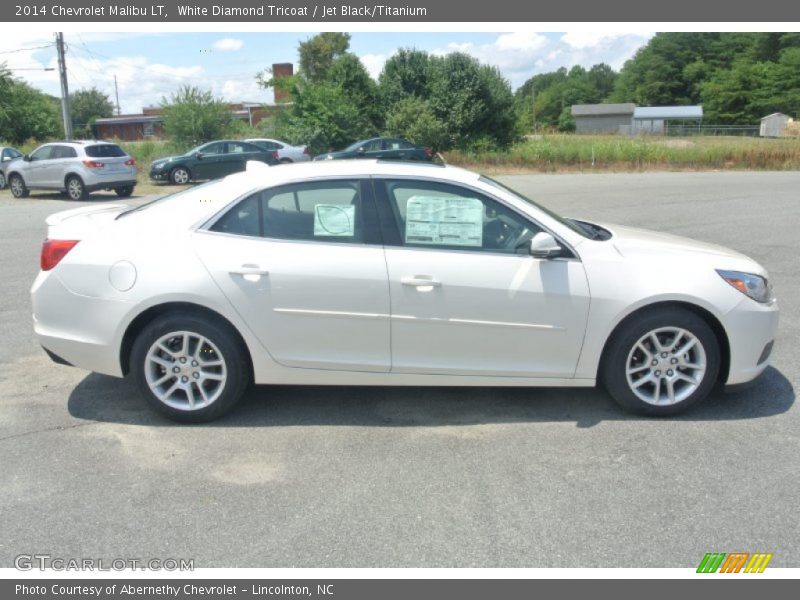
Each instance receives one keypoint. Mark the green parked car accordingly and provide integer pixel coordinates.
(210, 161)
(383, 147)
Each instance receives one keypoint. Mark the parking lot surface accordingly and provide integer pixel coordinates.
(394, 477)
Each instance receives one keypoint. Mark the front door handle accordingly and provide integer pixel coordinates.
(249, 269)
(420, 281)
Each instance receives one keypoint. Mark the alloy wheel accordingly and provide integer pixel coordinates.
(666, 366)
(185, 370)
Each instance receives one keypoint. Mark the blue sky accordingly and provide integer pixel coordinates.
(150, 66)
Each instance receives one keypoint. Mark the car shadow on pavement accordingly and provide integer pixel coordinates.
(106, 399)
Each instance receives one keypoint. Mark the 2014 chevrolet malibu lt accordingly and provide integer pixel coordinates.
(382, 273)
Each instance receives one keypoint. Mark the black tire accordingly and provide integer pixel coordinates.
(285, 161)
(230, 348)
(76, 190)
(124, 192)
(176, 176)
(621, 346)
(18, 187)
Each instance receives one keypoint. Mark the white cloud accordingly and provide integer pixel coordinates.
(228, 45)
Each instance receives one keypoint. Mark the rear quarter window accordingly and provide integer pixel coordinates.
(104, 151)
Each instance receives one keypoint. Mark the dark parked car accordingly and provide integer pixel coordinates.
(382, 147)
(210, 161)
(7, 154)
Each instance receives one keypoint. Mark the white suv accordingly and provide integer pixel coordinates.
(78, 167)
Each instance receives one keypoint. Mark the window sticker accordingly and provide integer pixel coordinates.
(450, 221)
(334, 220)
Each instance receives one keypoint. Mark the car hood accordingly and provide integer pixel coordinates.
(631, 241)
(170, 158)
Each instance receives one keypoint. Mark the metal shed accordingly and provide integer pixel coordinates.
(602, 118)
(774, 125)
(656, 119)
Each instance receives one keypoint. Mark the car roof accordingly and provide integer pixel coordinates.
(276, 175)
(80, 143)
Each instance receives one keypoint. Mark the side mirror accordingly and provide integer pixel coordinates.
(361, 150)
(27, 158)
(544, 245)
(199, 155)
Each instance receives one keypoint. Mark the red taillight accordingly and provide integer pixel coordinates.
(305, 149)
(93, 164)
(428, 152)
(275, 155)
(53, 251)
(130, 162)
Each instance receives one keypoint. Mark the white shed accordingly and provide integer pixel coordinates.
(774, 125)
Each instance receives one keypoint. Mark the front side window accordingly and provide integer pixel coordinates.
(436, 215)
(43, 153)
(215, 148)
(331, 211)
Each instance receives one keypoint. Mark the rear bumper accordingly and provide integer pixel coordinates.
(109, 184)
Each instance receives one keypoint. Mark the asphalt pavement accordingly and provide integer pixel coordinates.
(409, 477)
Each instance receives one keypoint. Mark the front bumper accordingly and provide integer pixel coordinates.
(159, 175)
(751, 329)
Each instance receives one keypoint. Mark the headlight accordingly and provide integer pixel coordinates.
(159, 165)
(753, 286)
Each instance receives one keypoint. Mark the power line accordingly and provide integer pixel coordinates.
(25, 49)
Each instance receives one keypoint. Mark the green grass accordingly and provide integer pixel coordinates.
(618, 153)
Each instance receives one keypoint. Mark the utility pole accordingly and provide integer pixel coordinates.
(62, 72)
(116, 93)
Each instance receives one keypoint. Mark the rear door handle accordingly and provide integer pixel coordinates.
(249, 269)
(420, 281)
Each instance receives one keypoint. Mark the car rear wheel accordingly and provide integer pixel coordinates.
(661, 362)
(285, 161)
(75, 188)
(124, 192)
(18, 187)
(190, 369)
(179, 176)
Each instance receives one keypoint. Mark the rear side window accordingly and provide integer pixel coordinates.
(64, 152)
(104, 151)
(330, 211)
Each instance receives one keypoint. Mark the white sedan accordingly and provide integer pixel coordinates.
(370, 273)
(286, 152)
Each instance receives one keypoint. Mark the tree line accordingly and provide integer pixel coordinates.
(454, 101)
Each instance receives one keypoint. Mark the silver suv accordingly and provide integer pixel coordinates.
(78, 168)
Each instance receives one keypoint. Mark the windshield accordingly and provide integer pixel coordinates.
(177, 196)
(573, 225)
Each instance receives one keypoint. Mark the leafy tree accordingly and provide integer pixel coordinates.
(87, 106)
(193, 116)
(412, 118)
(25, 112)
(318, 53)
(324, 117)
(473, 100)
(349, 73)
(406, 73)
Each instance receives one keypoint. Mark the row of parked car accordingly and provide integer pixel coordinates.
(81, 167)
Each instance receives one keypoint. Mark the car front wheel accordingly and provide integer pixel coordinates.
(190, 369)
(661, 362)
(18, 187)
(179, 176)
(2, 180)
